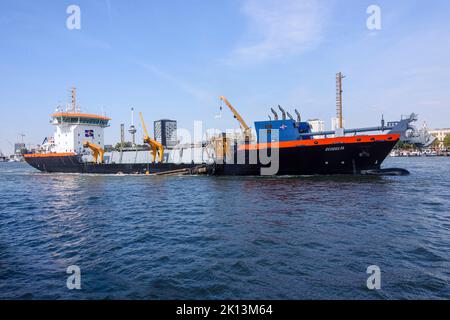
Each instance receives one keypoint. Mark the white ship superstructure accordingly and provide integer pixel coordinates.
(73, 128)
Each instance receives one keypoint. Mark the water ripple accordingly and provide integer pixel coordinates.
(138, 237)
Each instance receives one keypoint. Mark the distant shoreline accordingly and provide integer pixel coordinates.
(420, 153)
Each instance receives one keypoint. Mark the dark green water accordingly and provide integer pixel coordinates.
(139, 237)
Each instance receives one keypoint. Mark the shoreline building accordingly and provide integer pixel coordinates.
(166, 132)
(440, 134)
(19, 148)
(317, 125)
(335, 123)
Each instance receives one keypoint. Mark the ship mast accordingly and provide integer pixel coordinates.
(339, 77)
(74, 99)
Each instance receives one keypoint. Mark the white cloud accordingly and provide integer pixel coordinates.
(281, 28)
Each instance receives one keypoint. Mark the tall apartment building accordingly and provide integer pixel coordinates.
(166, 132)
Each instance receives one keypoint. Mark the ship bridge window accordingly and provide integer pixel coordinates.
(76, 120)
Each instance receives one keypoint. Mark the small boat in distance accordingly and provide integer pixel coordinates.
(3, 158)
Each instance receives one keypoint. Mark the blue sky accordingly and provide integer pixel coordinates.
(172, 59)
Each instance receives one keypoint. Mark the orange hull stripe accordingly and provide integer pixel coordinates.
(81, 115)
(321, 142)
(48, 155)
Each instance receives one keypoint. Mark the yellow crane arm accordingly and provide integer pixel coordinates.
(155, 145)
(96, 150)
(237, 116)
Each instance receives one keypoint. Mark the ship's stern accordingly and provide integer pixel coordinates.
(55, 162)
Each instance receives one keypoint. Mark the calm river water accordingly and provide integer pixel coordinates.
(140, 237)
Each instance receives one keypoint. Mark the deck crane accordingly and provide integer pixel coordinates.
(155, 145)
(237, 116)
(96, 150)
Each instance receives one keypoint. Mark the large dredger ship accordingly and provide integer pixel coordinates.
(281, 146)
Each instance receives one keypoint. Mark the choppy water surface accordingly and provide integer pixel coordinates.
(140, 237)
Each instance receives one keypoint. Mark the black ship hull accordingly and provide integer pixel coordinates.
(73, 164)
(315, 160)
(353, 156)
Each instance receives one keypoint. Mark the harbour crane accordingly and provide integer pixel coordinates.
(237, 116)
(155, 145)
(96, 150)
